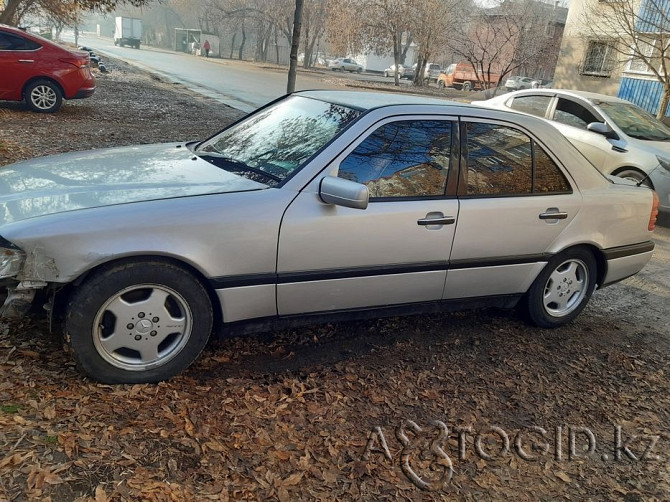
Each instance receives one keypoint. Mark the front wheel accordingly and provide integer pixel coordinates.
(44, 96)
(138, 322)
(467, 86)
(440, 84)
(562, 289)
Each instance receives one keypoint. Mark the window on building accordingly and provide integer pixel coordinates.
(642, 52)
(600, 58)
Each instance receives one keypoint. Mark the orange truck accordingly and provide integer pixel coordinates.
(462, 76)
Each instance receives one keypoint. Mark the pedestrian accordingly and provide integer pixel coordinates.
(207, 48)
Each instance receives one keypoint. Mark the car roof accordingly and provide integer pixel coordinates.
(592, 97)
(371, 100)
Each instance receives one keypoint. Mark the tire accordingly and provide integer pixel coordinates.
(562, 289)
(43, 96)
(467, 86)
(440, 84)
(359, 70)
(342, 69)
(138, 322)
(386, 74)
(635, 175)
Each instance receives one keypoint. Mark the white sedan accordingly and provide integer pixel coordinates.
(345, 64)
(617, 137)
(321, 205)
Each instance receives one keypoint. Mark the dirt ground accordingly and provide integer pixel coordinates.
(466, 406)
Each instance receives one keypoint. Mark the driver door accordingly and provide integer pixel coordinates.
(394, 252)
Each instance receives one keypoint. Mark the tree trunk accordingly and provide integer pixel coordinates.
(277, 44)
(295, 44)
(7, 15)
(665, 99)
(244, 39)
(307, 55)
(396, 60)
(232, 45)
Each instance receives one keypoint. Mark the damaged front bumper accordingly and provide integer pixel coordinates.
(19, 294)
(19, 298)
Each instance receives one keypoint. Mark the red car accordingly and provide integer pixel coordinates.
(40, 72)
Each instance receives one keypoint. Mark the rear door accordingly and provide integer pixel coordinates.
(394, 252)
(18, 60)
(515, 200)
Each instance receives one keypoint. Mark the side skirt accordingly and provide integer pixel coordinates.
(248, 327)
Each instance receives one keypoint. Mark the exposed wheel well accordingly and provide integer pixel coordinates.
(34, 79)
(636, 169)
(63, 294)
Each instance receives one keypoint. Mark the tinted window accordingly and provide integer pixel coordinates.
(548, 176)
(504, 161)
(402, 159)
(571, 113)
(9, 42)
(535, 105)
(499, 161)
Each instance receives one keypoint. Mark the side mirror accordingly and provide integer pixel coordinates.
(343, 192)
(602, 128)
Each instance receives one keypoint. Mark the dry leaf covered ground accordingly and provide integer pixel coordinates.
(467, 406)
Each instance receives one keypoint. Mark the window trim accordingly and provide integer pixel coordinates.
(453, 168)
(463, 171)
(584, 104)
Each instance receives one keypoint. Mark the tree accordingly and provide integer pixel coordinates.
(64, 10)
(295, 43)
(371, 25)
(433, 23)
(500, 39)
(638, 33)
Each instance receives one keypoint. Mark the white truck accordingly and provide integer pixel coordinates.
(128, 32)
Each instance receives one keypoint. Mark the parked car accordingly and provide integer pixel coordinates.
(320, 205)
(391, 71)
(541, 83)
(41, 72)
(463, 77)
(617, 137)
(345, 64)
(518, 82)
(430, 72)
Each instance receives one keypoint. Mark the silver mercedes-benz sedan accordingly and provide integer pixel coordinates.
(319, 205)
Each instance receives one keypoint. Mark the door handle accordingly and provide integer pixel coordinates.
(444, 220)
(555, 215)
(26, 60)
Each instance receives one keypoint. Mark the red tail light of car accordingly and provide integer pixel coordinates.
(654, 211)
(79, 62)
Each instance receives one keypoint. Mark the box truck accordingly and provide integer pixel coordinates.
(128, 32)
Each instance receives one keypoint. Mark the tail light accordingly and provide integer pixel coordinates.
(79, 62)
(654, 212)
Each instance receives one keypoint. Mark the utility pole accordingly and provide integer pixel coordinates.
(295, 43)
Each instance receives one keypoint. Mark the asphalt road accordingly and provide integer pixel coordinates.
(236, 83)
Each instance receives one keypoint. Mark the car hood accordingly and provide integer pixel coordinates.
(108, 177)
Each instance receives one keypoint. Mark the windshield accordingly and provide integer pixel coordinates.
(635, 122)
(278, 140)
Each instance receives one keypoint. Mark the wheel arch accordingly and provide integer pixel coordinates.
(63, 294)
(35, 79)
(601, 262)
(629, 167)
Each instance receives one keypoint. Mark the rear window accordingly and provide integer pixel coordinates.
(11, 42)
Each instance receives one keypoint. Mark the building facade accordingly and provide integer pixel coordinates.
(598, 56)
